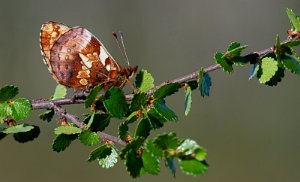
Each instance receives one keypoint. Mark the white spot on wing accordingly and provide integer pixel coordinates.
(85, 60)
(103, 55)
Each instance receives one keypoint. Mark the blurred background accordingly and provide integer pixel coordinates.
(251, 131)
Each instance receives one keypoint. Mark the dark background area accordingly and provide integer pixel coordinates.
(251, 131)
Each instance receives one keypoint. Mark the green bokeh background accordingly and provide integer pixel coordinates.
(251, 131)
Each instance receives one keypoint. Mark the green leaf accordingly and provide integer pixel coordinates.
(143, 128)
(99, 122)
(153, 149)
(291, 43)
(5, 110)
(101, 152)
(291, 63)
(134, 145)
(47, 116)
(204, 81)
(134, 163)
(138, 101)
(90, 120)
(18, 128)
(21, 109)
(278, 48)
(2, 135)
(166, 90)
(123, 130)
(295, 21)
(60, 92)
(89, 138)
(91, 97)
(171, 164)
(30, 135)
(253, 71)
(115, 103)
(62, 141)
(164, 111)
(68, 130)
(222, 62)
(276, 78)
(8, 92)
(269, 67)
(110, 160)
(167, 141)
(150, 163)
(156, 119)
(144, 81)
(192, 167)
(187, 100)
(233, 45)
(190, 148)
(234, 50)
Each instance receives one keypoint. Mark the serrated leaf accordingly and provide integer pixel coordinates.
(144, 81)
(234, 50)
(190, 148)
(167, 141)
(291, 63)
(143, 128)
(276, 78)
(47, 116)
(110, 160)
(192, 167)
(68, 130)
(62, 141)
(115, 103)
(99, 122)
(166, 90)
(204, 82)
(150, 163)
(90, 120)
(138, 101)
(253, 71)
(21, 109)
(134, 163)
(89, 138)
(123, 130)
(134, 145)
(269, 67)
(152, 148)
(155, 119)
(5, 110)
(100, 153)
(8, 92)
(30, 135)
(18, 128)
(278, 48)
(295, 21)
(233, 45)
(60, 92)
(171, 164)
(91, 97)
(164, 111)
(187, 100)
(291, 43)
(222, 62)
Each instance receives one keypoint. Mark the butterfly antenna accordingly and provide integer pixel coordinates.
(121, 45)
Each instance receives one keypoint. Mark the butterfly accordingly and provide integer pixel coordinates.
(77, 59)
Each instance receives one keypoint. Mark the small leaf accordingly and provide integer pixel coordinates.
(89, 138)
(5, 110)
(8, 92)
(99, 123)
(68, 130)
(291, 43)
(138, 101)
(18, 128)
(190, 148)
(152, 148)
(23, 137)
(123, 131)
(234, 50)
(166, 90)
(295, 21)
(91, 97)
(291, 63)
(167, 141)
(90, 120)
(192, 167)
(222, 62)
(134, 145)
(269, 67)
(233, 45)
(47, 116)
(204, 83)
(21, 109)
(144, 81)
(100, 153)
(253, 71)
(171, 164)
(278, 48)
(155, 119)
(62, 141)
(187, 100)
(134, 163)
(150, 163)
(143, 128)
(115, 102)
(164, 111)
(60, 92)
(276, 78)
(110, 160)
